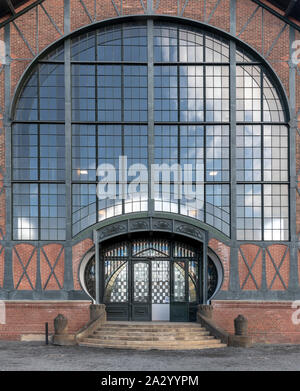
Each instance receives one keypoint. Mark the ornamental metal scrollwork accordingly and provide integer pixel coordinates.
(162, 224)
(139, 225)
(112, 230)
(187, 229)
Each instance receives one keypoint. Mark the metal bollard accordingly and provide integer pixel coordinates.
(46, 333)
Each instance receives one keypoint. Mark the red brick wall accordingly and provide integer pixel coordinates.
(24, 260)
(223, 252)
(78, 252)
(281, 257)
(29, 317)
(2, 253)
(268, 322)
(52, 256)
(250, 256)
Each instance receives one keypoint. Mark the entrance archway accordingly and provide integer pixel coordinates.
(152, 278)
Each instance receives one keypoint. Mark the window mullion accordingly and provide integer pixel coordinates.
(232, 83)
(150, 35)
(68, 140)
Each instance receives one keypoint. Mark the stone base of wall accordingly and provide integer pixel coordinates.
(25, 320)
(268, 322)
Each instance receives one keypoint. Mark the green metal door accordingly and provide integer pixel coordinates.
(141, 291)
(179, 310)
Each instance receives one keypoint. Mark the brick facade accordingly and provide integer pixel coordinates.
(44, 267)
(268, 322)
(29, 317)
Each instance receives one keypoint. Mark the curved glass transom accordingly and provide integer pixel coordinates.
(154, 93)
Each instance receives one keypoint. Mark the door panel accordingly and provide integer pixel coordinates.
(179, 311)
(160, 291)
(141, 298)
(117, 311)
(116, 289)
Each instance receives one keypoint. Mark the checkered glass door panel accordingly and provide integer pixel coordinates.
(116, 281)
(160, 282)
(141, 282)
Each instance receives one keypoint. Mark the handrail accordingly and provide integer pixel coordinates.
(213, 328)
(91, 326)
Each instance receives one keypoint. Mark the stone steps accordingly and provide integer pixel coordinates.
(190, 345)
(151, 335)
(134, 332)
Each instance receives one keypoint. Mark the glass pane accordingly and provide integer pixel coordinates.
(109, 92)
(183, 250)
(27, 106)
(25, 151)
(165, 43)
(190, 45)
(191, 94)
(150, 248)
(275, 153)
(52, 211)
(248, 153)
(217, 153)
(276, 212)
(116, 282)
(89, 277)
(193, 280)
(160, 282)
(134, 43)
(217, 204)
(242, 56)
(165, 93)
(25, 211)
(249, 212)
(83, 92)
(248, 93)
(216, 48)
(84, 152)
(179, 282)
(83, 47)
(212, 278)
(118, 250)
(217, 93)
(56, 55)
(83, 206)
(141, 282)
(52, 152)
(273, 110)
(135, 80)
(52, 92)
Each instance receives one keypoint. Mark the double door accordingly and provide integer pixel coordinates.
(162, 290)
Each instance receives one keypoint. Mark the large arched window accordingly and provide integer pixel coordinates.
(157, 93)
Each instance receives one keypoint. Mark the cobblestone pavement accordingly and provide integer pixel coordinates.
(36, 356)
